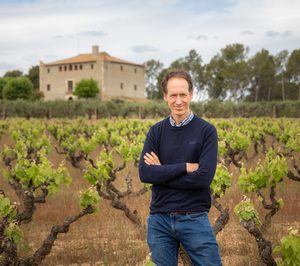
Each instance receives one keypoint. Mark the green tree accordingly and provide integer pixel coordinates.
(226, 74)
(159, 93)
(34, 76)
(3, 82)
(235, 70)
(293, 69)
(152, 70)
(262, 76)
(86, 88)
(18, 88)
(281, 63)
(214, 78)
(13, 73)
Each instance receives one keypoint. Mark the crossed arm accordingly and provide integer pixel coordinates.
(181, 175)
(152, 159)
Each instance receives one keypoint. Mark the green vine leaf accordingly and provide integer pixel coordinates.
(289, 249)
(221, 181)
(245, 211)
(89, 198)
(13, 233)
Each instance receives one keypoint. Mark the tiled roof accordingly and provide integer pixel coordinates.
(85, 58)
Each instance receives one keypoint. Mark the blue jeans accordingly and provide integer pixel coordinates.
(192, 230)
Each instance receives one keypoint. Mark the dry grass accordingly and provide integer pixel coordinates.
(109, 238)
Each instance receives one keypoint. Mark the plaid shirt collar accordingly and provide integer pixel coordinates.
(183, 122)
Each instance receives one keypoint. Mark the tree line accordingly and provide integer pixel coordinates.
(229, 75)
(95, 109)
(233, 75)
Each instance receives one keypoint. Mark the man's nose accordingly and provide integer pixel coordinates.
(178, 100)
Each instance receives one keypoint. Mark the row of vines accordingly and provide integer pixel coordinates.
(265, 152)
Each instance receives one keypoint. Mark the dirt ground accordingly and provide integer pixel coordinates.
(109, 238)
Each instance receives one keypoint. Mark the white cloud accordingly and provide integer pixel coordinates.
(143, 48)
(247, 32)
(164, 30)
(271, 33)
(198, 37)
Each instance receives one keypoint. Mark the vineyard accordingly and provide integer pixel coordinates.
(70, 192)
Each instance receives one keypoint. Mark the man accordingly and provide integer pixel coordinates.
(179, 158)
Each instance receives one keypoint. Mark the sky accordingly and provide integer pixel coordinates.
(139, 30)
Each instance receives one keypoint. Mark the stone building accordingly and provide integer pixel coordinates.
(116, 78)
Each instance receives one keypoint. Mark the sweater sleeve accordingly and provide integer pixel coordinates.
(202, 177)
(157, 174)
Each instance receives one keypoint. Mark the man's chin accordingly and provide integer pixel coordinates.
(180, 112)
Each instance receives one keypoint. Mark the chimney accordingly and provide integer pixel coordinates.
(95, 50)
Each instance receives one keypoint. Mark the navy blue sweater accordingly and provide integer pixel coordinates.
(173, 188)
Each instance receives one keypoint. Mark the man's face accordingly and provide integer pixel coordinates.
(178, 97)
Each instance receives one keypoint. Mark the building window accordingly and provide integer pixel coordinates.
(70, 67)
(70, 86)
(92, 66)
(121, 68)
(60, 68)
(80, 67)
(48, 70)
(135, 70)
(75, 67)
(65, 67)
(122, 85)
(48, 87)
(135, 87)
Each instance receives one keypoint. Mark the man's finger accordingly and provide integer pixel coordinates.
(155, 157)
(148, 160)
(151, 158)
(149, 155)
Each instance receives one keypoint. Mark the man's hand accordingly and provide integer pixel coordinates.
(191, 167)
(151, 159)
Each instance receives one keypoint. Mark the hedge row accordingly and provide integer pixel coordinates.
(98, 109)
